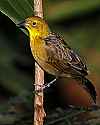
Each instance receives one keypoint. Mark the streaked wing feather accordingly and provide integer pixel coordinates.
(62, 56)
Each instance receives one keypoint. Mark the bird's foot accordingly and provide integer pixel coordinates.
(50, 83)
(40, 88)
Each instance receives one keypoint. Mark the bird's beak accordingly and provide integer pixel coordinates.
(21, 24)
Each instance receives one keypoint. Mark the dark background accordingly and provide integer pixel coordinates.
(80, 30)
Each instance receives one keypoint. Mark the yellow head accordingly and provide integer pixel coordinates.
(36, 26)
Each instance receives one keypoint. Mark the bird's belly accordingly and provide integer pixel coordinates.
(41, 57)
(48, 67)
(51, 69)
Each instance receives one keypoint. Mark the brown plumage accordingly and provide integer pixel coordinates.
(54, 55)
(63, 58)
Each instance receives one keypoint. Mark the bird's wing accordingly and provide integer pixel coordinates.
(62, 57)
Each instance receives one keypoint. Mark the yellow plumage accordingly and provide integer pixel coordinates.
(53, 54)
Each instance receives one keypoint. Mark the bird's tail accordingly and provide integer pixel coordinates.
(89, 87)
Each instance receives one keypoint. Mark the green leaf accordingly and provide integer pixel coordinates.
(16, 10)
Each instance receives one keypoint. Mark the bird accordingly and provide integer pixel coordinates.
(54, 55)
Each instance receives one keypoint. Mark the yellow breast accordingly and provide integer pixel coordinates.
(40, 55)
(38, 49)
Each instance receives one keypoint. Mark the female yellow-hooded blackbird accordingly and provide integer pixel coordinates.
(54, 55)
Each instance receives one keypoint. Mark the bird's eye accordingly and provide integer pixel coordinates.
(34, 23)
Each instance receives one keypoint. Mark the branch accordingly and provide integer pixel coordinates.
(39, 112)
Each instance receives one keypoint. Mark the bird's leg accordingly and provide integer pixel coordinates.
(50, 83)
(41, 87)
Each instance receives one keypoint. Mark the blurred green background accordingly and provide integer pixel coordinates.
(77, 21)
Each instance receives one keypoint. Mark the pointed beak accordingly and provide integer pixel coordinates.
(21, 24)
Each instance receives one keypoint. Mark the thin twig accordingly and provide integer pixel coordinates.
(39, 112)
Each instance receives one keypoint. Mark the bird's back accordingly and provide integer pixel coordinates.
(62, 57)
